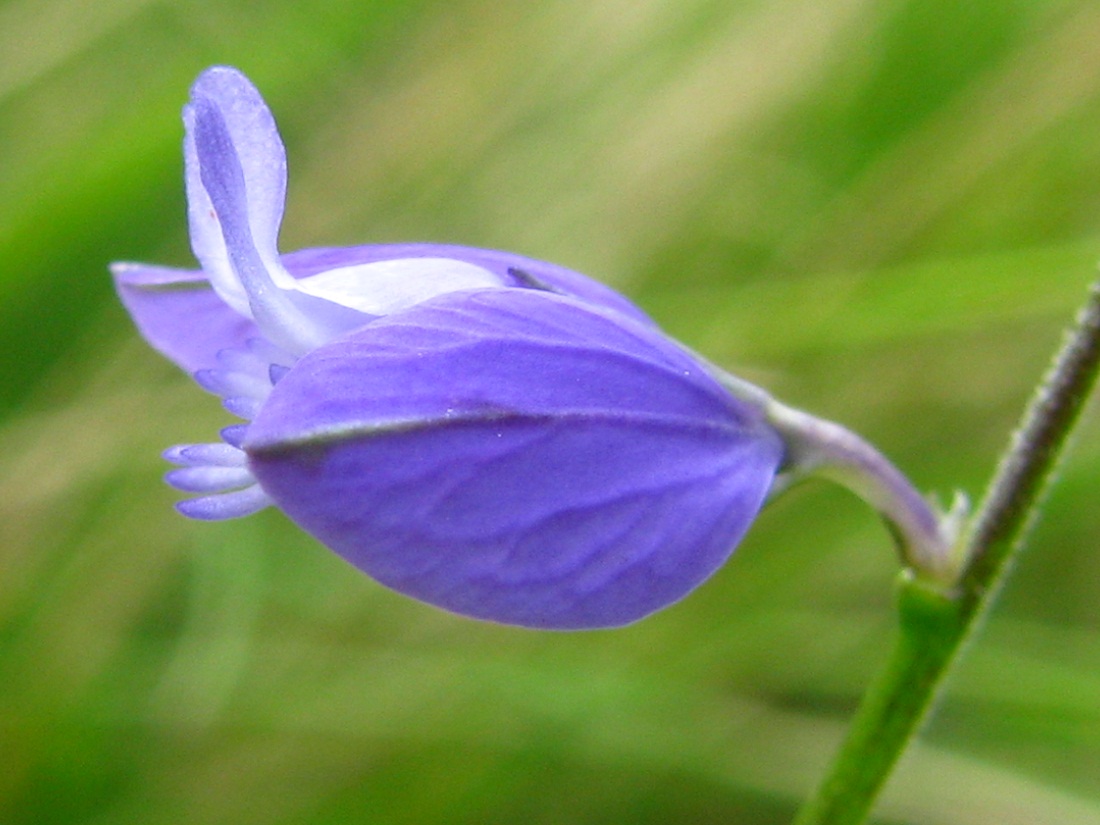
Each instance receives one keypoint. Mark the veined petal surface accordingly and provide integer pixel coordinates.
(517, 456)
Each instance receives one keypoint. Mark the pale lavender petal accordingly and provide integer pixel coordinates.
(384, 287)
(236, 184)
(183, 318)
(306, 262)
(255, 141)
(268, 288)
(179, 314)
(517, 456)
(226, 383)
(234, 434)
(242, 406)
(209, 479)
(194, 455)
(262, 352)
(225, 505)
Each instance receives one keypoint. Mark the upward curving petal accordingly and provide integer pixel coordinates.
(255, 141)
(224, 162)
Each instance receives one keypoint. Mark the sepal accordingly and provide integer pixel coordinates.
(517, 456)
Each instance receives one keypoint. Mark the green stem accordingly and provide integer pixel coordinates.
(933, 623)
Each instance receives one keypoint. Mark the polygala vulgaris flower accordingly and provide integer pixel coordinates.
(495, 435)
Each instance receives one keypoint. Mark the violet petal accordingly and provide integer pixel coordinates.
(256, 143)
(517, 456)
(306, 262)
(179, 314)
(225, 505)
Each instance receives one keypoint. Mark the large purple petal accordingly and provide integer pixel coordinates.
(516, 456)
(179, 314)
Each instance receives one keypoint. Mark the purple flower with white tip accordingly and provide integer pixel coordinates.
(492, 434)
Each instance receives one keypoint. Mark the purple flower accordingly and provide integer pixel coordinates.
(492, 434)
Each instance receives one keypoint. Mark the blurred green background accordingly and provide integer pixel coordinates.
(885, 211)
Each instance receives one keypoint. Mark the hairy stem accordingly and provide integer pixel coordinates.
(935, 622)
(927, 539)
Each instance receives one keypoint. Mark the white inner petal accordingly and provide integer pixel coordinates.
(388, 286)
